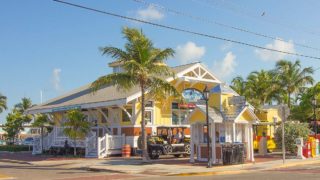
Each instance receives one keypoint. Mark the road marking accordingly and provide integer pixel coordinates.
(2, 176)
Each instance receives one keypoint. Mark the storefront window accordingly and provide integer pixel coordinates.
(180, 113)
(148, 116)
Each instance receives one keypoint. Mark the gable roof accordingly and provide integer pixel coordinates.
(83, 96)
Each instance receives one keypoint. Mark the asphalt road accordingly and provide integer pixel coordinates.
(25, 171)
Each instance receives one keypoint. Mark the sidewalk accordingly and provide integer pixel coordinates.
(181, 167)
(169, 166)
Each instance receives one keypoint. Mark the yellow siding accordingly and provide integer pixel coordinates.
(224, 99)
(214, 100)
(197, 116)
(246, 116)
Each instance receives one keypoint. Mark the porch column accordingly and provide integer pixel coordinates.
(192, 143)
(233, 132)
(251, 143)
(213, 143)
(247, 139)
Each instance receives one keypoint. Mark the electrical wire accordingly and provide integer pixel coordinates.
(233, 9)
(185, 30)
(206, 20)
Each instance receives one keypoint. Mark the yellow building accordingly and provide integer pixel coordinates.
(270, 119)
(231, 121)
(116, 115)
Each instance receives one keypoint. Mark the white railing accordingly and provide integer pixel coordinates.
(102, 146)
(91, 146)
(36, 145)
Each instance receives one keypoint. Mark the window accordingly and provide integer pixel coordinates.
(149, 104)
(180, 112)
(148, 116)
(125, 117)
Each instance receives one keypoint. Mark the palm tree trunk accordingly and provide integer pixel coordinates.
(145, 156)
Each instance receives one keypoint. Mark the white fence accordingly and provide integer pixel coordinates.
(95, 146)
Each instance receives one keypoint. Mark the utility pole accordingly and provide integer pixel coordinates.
(284, 117)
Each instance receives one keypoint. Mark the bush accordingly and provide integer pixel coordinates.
(15, 148)
(292, 130)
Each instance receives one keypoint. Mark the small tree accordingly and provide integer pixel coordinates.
(42, 121)
(76, 127)
(292, 130)
(13, 125)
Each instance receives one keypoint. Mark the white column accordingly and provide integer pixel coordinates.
(247, 138)
(251, 143)
(234, 132)
(192, 143)
(213, 143)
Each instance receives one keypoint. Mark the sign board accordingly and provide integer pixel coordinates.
(66, 108)
(299, 141)
(192, 95)
(237, 100)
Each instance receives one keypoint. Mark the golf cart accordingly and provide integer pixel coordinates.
(169, 141)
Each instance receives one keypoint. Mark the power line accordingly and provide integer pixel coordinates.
(238, 10)
(185, 30)
(206, 20)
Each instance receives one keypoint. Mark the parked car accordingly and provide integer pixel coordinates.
(28, 141)
(161, 144)
(18, 142)
(3, 142)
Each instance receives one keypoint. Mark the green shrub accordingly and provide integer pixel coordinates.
(15, 148)
(292, 130)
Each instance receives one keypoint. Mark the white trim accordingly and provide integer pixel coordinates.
(82, 106)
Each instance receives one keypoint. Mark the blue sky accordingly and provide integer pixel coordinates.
(50, 47)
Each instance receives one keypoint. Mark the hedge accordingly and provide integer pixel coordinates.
(15, 148)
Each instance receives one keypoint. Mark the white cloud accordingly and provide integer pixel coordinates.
(266, 55)
(225, 67)
(189, 52)
(56, 79)
(149, 14)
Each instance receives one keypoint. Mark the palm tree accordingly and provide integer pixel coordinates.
(76, 127)
(292, 78)
(21, 107)
(260, 87)
(144, 67)
(239, 85)
(3, 103)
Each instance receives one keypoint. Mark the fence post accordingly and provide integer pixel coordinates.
(107, 143)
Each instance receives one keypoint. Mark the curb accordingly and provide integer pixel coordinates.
(292, 164)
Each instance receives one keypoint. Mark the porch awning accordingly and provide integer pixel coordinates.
(214, 115)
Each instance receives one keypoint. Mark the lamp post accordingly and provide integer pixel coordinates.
(206, 98)
(314, 105)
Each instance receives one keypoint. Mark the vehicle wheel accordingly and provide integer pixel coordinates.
(153, 154)
(177, 155)
(167, 149)
(187, 149)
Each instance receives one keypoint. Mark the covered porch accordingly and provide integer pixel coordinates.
(223, 132)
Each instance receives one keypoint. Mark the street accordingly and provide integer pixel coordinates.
(26, 171)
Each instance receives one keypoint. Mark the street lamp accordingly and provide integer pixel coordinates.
(314, 105)
(206, 98)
